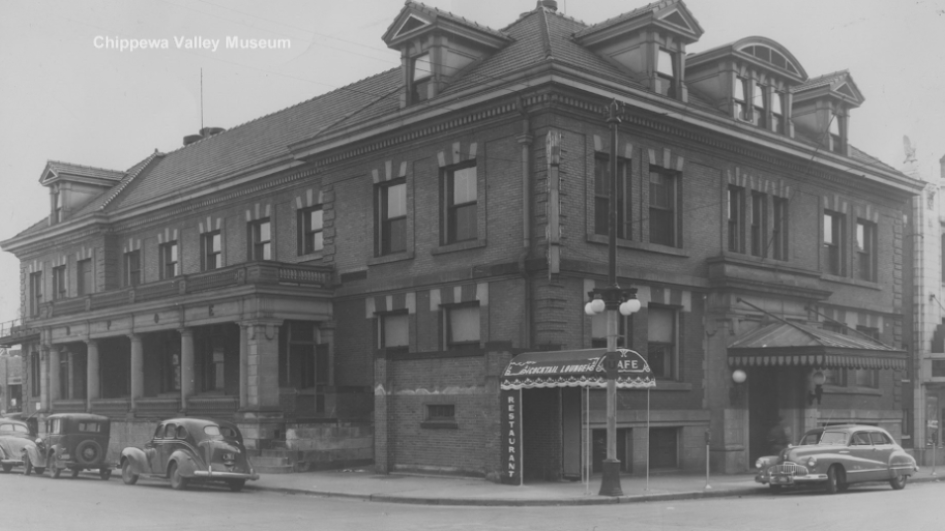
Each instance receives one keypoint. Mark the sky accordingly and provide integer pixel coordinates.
(68, 92)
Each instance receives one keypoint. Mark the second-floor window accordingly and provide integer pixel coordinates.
(83, 277)
(460, 203)
(211, 244)
(662, 342)
(260, 240)
(736, 221)
(602, 193)
(462, 326)
(170, 261)
(310, 224)
(664, 211)
(391, 217)
(132, 268)
(779, 233)
(740, 98)
(833, 243)
(394, 332)
(866, 250)
(599, 331)
(759, 224)
(36, 292)
(59, 283)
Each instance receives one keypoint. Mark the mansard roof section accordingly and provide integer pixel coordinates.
(760, 51)
(837, 85)
(65, 171)
(669, 15)
(416, 19)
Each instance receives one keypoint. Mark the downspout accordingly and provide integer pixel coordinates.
(525, 140)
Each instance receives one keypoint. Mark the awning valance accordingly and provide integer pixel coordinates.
(575, 368)
(785, 343)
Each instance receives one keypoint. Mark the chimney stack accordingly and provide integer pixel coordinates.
(205, 132)
(550, 5)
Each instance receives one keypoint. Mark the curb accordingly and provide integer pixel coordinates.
(504, 502)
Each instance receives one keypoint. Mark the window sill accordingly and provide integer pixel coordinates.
(852, 281)
(388, 258)
(310, 257)
(836, 390)
(640, 246)
(439, 425)
(456, 247)
(666, 385)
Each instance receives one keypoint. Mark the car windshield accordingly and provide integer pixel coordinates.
(834, 437)
(15, 428)
(221, 432)
(810, 438)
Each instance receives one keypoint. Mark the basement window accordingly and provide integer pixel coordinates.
(440, 416)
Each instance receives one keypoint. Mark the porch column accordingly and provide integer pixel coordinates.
(53, 376)
(44, 378)
(91, 373)
(137, 369)
(244, 366)
(262, 361)
(186, 366)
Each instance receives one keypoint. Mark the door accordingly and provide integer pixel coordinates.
(883, 446)
(763, 410)
(571, 432)
(865, 462)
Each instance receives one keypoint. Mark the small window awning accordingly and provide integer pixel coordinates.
(786, 343)
(575, 368)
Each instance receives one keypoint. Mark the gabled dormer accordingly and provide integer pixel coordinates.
(822, 109)
(434, 46)
(751, 79)
(650, 42)
(72, 186)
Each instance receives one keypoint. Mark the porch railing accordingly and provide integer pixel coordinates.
(258, 273)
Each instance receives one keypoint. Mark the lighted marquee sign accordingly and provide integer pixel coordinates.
(575, 368)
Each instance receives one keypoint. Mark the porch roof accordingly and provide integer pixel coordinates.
(575, 368)
(788, 343)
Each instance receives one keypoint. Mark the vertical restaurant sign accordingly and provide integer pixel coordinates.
(511, 437)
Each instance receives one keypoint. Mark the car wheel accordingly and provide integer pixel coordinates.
(75, 473)
(127, 474)
(27, 465)
(898, 482)
(178, 482)
(835, 480)
(236, 485)
(7, 468)
(88, 452)
(39, 470)
(105, 473)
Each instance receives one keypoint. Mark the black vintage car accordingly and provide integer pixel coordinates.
(187, 450)
(73, 441)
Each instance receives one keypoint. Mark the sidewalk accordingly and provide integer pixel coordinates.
(436, 490)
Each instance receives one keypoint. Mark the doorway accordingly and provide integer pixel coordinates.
(763, 410)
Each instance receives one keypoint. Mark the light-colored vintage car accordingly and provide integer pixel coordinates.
(187, 450)
(836, 457)
(15, 438)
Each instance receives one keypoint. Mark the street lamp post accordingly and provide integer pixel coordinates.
(612, 299)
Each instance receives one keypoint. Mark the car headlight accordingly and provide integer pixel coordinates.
(760, 463)
(812, 462)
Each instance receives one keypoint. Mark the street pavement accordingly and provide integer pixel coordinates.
(363, 484)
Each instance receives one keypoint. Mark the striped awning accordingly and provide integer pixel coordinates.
(575, 368)
(785, 343)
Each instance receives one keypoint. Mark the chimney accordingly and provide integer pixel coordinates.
(550, 5)
(205, 132)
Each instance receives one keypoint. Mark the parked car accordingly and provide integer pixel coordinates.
(187, 450)
(836, 457)
(15, 437)
(73, 441)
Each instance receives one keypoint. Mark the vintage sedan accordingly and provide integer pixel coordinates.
(15, 437)
(836, 457)
(187, 450)
(74, 442)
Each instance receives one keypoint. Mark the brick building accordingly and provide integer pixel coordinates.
(349, 277)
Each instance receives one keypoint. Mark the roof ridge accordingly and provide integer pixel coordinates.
(438, 11)
(120, 187)
(50, 161)
(284, 109)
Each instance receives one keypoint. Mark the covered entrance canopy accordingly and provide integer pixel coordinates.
(575, 368)
(788, 343)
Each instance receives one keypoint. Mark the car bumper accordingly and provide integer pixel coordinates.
(11, 462)
(208, 474)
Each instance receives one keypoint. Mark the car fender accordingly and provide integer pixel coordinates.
(137, 458)
(185, 463)
(902, 462)
(32, 451)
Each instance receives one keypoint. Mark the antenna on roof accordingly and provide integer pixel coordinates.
(201, 97)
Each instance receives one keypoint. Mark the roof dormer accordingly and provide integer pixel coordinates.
(822, 109)
(72, 186)
(650, 42)
(434, 45)
(752, 78)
